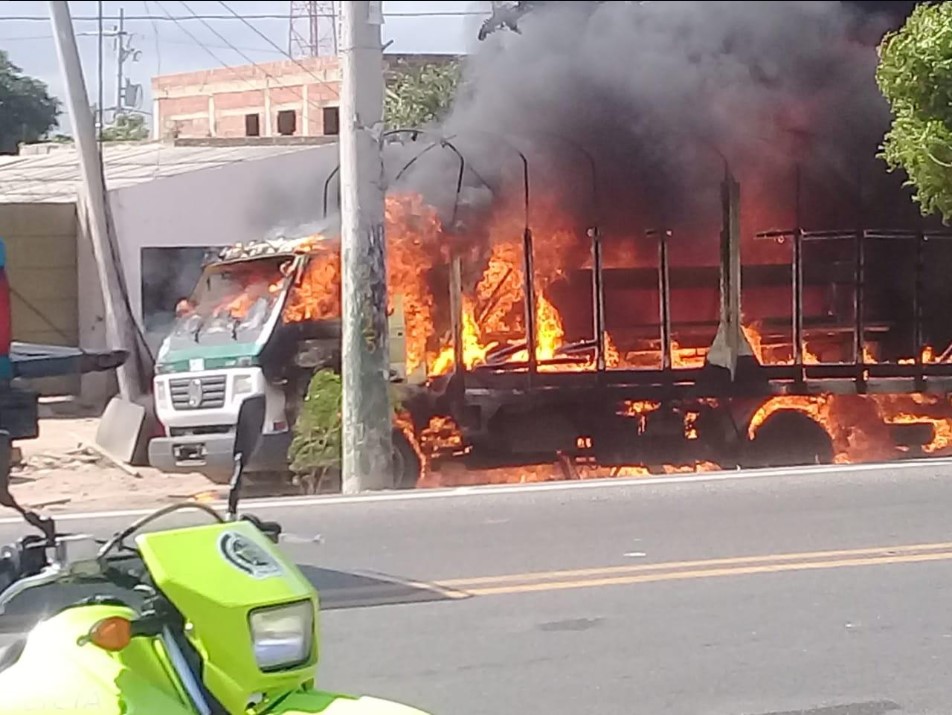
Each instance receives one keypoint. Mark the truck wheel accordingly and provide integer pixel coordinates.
(789, 438)
(407, 466)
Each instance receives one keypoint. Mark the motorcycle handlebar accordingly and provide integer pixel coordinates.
(271, 529)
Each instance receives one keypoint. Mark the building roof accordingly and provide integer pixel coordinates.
(49, 173)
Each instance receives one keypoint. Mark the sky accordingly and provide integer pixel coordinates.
(187, 44)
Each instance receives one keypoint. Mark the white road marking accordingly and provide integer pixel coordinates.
(493, 489)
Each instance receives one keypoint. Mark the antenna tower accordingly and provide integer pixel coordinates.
(313, 30)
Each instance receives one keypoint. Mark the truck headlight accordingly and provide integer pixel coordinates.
(242, 385)
(282, 636)
(161, 394)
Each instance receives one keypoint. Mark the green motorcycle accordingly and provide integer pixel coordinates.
(226, 625)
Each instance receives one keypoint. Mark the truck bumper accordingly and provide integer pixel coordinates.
(211, 454)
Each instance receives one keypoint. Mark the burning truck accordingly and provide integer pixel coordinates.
(589, 364)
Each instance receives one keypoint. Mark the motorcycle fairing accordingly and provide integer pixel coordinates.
(216, 575)
(56, 675)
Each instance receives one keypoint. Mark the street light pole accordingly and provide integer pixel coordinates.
(367, 447)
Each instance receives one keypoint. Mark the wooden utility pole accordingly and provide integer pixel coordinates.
(367, 448)
(120, 334)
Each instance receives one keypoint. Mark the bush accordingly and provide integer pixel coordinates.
(316, 447)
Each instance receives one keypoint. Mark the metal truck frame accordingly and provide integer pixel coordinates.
(513, 413)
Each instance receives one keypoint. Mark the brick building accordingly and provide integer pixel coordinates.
(286, 98)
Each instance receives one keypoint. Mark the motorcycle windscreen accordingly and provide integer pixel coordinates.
(252, 613)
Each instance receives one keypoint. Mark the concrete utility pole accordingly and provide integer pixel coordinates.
(119, 331)
(367, 448)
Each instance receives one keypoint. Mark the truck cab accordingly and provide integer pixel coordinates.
(262, 319)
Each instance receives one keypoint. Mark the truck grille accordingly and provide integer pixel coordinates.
(198, 393)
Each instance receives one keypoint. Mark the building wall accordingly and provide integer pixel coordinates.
(215, 103)
(216, 207)
(41, 244)
(218, 103)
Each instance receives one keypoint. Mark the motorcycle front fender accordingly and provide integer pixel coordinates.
(316, 702)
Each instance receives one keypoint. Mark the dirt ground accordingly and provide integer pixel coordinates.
(63, 471)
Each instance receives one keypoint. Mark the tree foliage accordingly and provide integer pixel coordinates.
(27, 111)
(915, 76)
(420, 94)
(126, 128)
(315, 450)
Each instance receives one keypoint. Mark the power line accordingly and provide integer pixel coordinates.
(230, 67)
(248, 59)
(265, 16)
(279, 48)
(162, 40)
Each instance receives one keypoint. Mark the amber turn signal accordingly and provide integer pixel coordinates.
(112, 634)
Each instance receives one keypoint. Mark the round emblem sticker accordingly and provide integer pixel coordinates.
(246, 556)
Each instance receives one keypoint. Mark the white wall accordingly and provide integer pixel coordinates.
(222, 205)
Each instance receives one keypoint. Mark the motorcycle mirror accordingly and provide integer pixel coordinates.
(248, 429)
(247, 435)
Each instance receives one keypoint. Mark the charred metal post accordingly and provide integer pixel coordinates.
(664, 298)
(797, 296)
(859, 277)
(730, 343)
(797, 276)
(917, 301)
(456, 310)
(598, 299)
(528, 270)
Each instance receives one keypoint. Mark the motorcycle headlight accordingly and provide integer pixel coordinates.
(243, 385)
(282, 636)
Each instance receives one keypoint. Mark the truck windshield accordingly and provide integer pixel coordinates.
(231, 303)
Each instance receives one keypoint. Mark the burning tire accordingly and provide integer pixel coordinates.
(789, 438)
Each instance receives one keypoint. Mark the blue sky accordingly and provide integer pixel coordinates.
(166, 46)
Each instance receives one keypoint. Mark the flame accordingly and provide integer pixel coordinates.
(414, 238)
(927, 355)
(858, 424)
(756, 341)
(317, 295)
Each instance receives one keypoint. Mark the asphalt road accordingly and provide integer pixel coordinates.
(828, 592)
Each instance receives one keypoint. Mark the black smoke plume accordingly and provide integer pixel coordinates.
(661, 95)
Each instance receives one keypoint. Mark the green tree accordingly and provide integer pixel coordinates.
(419, 94)
(915, 76)
(27, 111)
(126, 128)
